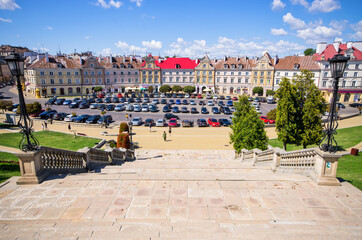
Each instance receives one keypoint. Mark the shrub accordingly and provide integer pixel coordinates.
(272, 114)
(74, 113)
(5, 104)
(47, 109)
(123, 127)
(123, 141)
(258, 90)
(270, 92)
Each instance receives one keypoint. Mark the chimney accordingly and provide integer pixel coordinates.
(110, 58)
(80, 61)
(124, 59)
(321, 47)
(225, 58)
(46, 57)
(349, 44)
(336, 46)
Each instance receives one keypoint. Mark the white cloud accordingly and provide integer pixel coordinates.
(8, 5)
(121, 44)
(49, 28)
(278, 32)
(357, 35)
(324, 6)
(41, 50)
(304, 3)
(148, 16)
(277, 4)
(130, 49)
(138, 2)
(320, 33)
(112, 3)
(294, 23)
(106, 51)
(5, 20)
(87, 37)
(338, 25)
(152, 44)
(358, 28)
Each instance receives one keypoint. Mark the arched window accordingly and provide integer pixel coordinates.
(347, 97)
(70, 90)
(78, 89)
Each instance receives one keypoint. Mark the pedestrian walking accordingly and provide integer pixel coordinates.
(130, 117)
(169, 130)
(69, 127)
(51, 120)
(127, 116)
(42, 125)
(150, 127)
(164, 136)
(45, 125)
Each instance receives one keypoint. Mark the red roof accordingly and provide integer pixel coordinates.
(330, 51)
(178, 63)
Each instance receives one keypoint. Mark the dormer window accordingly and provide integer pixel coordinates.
(59, 65)
(240, 66)
(233, 66)
(129, 66)
(122, 65)
(149, 65)
(92, 65)
(296, 66)
(178, 66)
(226, 66)
(114, 65)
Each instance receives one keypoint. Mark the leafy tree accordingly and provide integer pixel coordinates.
(165, 88)
(286, 122)
(247, 129)
(270, 92)
(176, 88)
(98, 88)
(31, 108)
(189, 89)
(309, 51)
(150, 89)
(311, 106)
(258, 90)
(5, 104)
(272, 114)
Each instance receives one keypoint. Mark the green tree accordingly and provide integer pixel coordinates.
(311, 106)
(98, 88)
(272, 114)
(309, 52)
(31, 108)
(176, 88)
(165, 88)
(258, 90)
(270, 92)
(286, 122)
(150, 89)
(189, 89)
(247, 129)
(5, 104)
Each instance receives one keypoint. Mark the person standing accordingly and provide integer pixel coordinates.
(130, 117)
(164, 136)
(42, 126)
(127, 116)
(69, 127)
(169, 130)
(45, 125)
(150, 127)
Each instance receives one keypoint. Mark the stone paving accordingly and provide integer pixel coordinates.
(179, 194)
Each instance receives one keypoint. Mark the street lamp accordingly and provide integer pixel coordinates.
(328, 144)
(28, 142)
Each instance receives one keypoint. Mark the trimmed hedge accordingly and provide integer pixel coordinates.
(123, 141)
(123, 127)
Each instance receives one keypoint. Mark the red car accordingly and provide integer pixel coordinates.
(234, 99)
(213, 122)
(101, 95)
(266, 120)
(119, 95)
(199, 96)
(172, 122)
(193, 96)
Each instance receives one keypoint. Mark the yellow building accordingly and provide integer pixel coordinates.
(150, 73)
(205, 76)
(262, 75)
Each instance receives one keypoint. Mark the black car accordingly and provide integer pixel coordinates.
(163, 101)
(202, 123)
(153, 109)
(47, 114)
(221, 97)
(175, 109)
(130, 100)
(91, 100)
(170, 115)
(83, 105)
(74, 104)
(184, 110)
(340, 105)
(110, 107)
(166, 109)
(171, 102)
(59, 101)
(122, 100)
(227, 111)
(224, 122)
(93, 119)
(145, 95)
(185, 102)
(99, 100)
(82, 118)
(76, 99)
(194, 110)
(215, 110)
(355, 105)
(138, 100)
(204, 110)
(169, 95)
(174, 95)
(149, 122)
(108, 100)
(220, 103)
(50, 101)
(101, 106)
(60, 116)
(202, 103)
(115, 100)
(105, 119)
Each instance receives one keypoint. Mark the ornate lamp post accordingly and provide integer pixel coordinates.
(28, 142)
(328, 144)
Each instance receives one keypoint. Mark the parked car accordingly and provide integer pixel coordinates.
(82, 118)
(60, 116)
(138, 100)
(229, 103)
(193, 96)
(227, 111)
(201, 103)
(234, 98)
(163, 95)
(98, 100)
(178, 102)
(201, 123)
(170, 115)
(185, 102)
(149, 121)
(59, 101)
(119, 107)
(83, 105)
(175, 109)
(145, 109)
(137, 121)
(221, 97)
(199, 96)
(153, 109)
(227, 98)
(70, 118)
(213, 122)
(187, 95)
(155, 101)
(93, 119)
(215, 110)
(74, 104)
(93, 106)
(171, 102)
(110, 107)
(163, 101)
(166, 109)
(115, 100)
(187, 123)
(210, 103)
(160, 123)
(51, 101)
(47, 114)
(341, 105)
(36, 114)
(108, 100)
(266, 120)
(172, 122)
(257, 99)
(67, 102)
(101, 106)
(270, 100)
(194, 110)
(220, 103)
(204, 110)
(224, 122)
(208, 96)
(192, 102)
(250, 99)
(355, 105)
(129, 108)
(262, 99)
(184, 110)
(105, 119)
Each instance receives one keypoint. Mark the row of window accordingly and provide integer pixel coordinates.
(122, 80)
(348, 66)
(261, 81)
(232, 73)
(353, 84)
(177, 79)
(59, 73)
(345, 74)
(224, 80)
(261, 73)
(122, 73)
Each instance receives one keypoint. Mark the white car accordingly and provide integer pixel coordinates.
(137, 121)
(232, 109)
(137, 108)
(163, 95)
(215, 97)
(70, 118)
(210, 103)
(145, 109)
(93, 106)
(120, 107)
(187, 95)
(192, 102)
(129, 107)
(208, 96)
(160, 123)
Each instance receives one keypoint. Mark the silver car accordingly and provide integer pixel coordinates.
(160, 122)
(137, 121)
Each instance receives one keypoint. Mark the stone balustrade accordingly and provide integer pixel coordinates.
(38, 165)
(320, 166)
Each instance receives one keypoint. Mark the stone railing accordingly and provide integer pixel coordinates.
(320, 166)
(38, 165)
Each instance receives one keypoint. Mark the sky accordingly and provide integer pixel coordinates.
(182, 28)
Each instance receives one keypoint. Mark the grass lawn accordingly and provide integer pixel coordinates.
(345, 137)
(8, 170)
(51, 139)
(350, 169)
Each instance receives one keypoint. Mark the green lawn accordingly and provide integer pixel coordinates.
(51, 139)
(350, 169)
(345, 137)
(8, 170)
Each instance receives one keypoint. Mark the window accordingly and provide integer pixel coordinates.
(277, 81)
(204, 80)
(325, 74)
(261, 81)
(255, 73)
(268, 81)
(177, 79)
(149, 65)
(255, 81)
(122, 80)
(232, 80)
(41, 73)
(68, 73)
(226, 66)
(129, 65)
(183, 79)
(92, 65)
(171, 79)
(269, 73)
(76, 73)
(355, 74)
(246, 73)
(239, 80)
(92, 73)
(347, 66)
(129, 80)
(345, 74)
(99, 80)
(93, 81)
(51, 73)
(135, 73)
(60, 73)
(156, 72)
(204, 73)
(294, 74)
(69, 81)
(108, 80)
(353, 83)
(70, 90)
(77, 81)
(86, 73)
(99, 73)
(136, 80)
(343, 83)
(246, 80)
(51, 81)
(286, 74)
(177, 73)
(129, 73)
(240, 66)
(114, 73)
(86, 81)
(278, 73)
(210, 73)
(224, 80)
(163, 79)
(60, 81)
(232, 73)
(218, 73)
(144, 73)
(357, 66)
(115, 80)
(326, 66)
(150, 72)
(261, 73)
(78, 89)
(204, 65)
(42, 81)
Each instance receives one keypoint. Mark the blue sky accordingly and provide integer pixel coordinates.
(181, 28)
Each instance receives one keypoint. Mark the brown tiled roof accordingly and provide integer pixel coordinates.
(106, 63)
(305, 62)
(53, 63)
(247, 63)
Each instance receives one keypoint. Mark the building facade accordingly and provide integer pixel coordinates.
(262, 74)
(205, 76)
(178, 71)
(150, 73)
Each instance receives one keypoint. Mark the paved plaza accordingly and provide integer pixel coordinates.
(180, 194)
